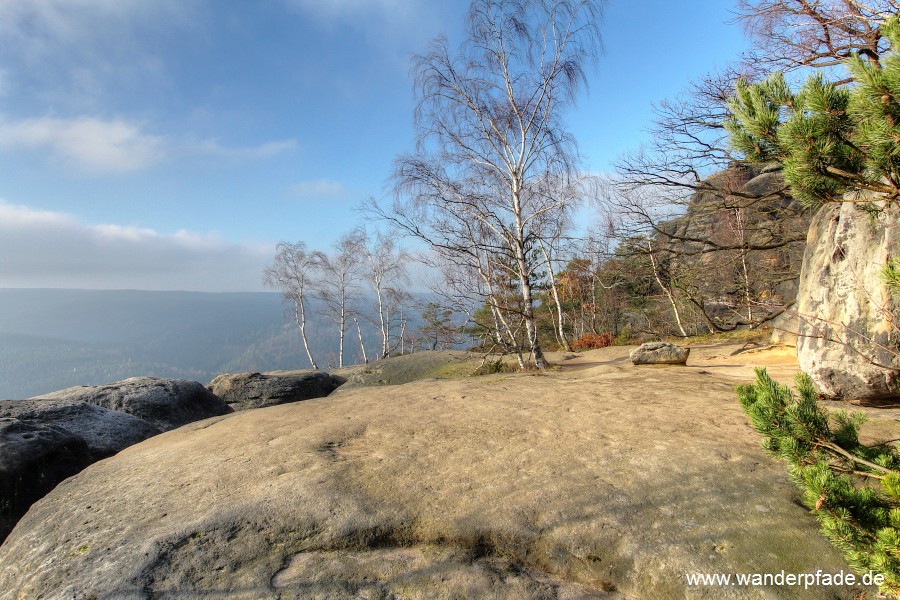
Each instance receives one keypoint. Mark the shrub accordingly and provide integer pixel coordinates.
(492, 367)
(853, 489)
(591, 341)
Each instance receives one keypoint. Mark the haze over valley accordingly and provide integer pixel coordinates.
(52, 339)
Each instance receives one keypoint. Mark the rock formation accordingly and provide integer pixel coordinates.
(396, 370)
(44, 440)
(164, 403)
(848, 319)
(105, 431)
(33, 459)
(767, 214)
(659, 353)
(257, 390)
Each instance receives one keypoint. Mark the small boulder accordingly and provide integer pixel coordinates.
(257, 390)
(660, 353)
(33, 459)
(106, 431)
(164, 403)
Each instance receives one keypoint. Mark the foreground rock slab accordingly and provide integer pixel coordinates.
(660, 353)
(164, 403)
(242, 391)
(606, 482)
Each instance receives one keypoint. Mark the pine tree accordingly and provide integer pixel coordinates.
(853, 489)
(830, 138)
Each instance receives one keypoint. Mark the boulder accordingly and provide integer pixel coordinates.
(848, 330)
(784, 328)
(163, 403)
(33, 459)
(105, 431)
(517, 486)
(257, 390)
(660, 353)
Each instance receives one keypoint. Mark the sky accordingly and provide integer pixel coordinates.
(171, 144)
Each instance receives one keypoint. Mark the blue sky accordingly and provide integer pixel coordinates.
(170, 144)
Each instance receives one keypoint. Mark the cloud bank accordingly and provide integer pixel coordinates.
(95, 146)
(40, 248)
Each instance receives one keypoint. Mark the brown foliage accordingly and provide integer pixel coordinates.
(592, 341)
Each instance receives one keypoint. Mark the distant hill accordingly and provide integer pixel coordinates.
(51, 339)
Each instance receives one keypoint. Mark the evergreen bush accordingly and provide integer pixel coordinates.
(852, 488)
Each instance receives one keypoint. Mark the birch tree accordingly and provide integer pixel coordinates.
(490, 132)
(339, 284)
(293, 273)
(385, 270)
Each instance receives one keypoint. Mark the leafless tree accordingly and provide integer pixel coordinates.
(385, 267)
(339, 283)
(490, 131)
(293, 273)
(793, 34)
(396, 315)
(550, 251)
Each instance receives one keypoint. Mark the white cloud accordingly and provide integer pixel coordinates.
(40, 248)
(316, 188)
(17, 215)
(76, 55)
(264, 150)
(99, 146)
(87, 143)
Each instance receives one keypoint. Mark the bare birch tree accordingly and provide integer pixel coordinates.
(385, 269)
(293, 273)
(339, 284)
(490, 131)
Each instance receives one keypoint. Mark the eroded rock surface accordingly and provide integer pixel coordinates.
(33, 459)
(257, 390)
(847, 332)
(105, 431)
(90, 423)
(164, 403)
(604, 482)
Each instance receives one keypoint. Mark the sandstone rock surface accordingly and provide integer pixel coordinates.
(597, 481)
(706, 218)
(164, 403)
(256, 390)
(90, 423)
(848, 317)
(33, 459)
(105, 431)
(660, 353)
